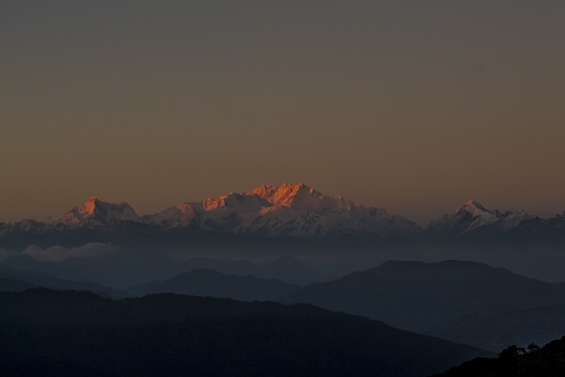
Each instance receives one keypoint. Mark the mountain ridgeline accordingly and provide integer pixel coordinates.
(136, 266)
(289, 210)
(465, 302)
(215, 284)
(285, 211)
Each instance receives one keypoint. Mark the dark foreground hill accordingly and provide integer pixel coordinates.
(175, 335)
(549, 361)
(215, 284)
(522, 327)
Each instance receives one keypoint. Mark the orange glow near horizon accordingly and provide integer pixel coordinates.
(413, 108)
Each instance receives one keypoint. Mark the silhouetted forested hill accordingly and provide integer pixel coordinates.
(522, 327)
(549, 361)
(175, 335)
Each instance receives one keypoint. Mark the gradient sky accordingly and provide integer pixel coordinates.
(411, 106)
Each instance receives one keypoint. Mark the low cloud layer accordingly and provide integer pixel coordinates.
(59, 253)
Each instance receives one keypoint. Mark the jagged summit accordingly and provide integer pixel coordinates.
(284, 194)
(236, 201)
(287, 195)
(473, 207)
(264, 191)
(301, 197)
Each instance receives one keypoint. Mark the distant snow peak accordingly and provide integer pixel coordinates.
(96, 212)
(472, 207)
(473, 216)
(180, 215)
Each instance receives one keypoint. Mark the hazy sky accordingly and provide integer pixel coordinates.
(411, 106)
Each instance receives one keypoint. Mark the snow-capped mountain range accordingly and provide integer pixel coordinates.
(289, 210)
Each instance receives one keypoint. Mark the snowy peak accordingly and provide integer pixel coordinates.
(472, 216)
(479, 215)
(182, 214)
(472, 207)
(298, 197)
(96, 212)
(90, 206)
